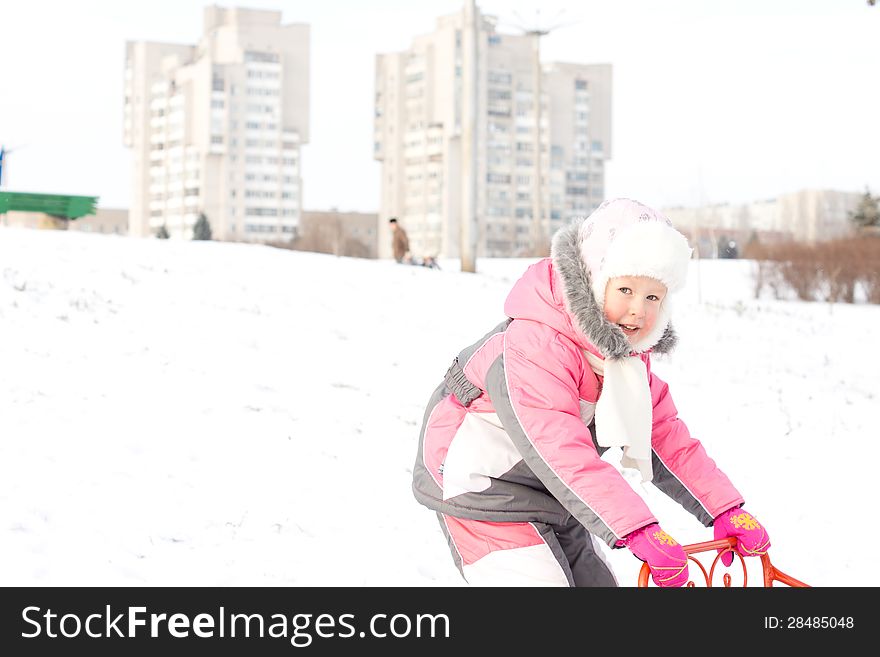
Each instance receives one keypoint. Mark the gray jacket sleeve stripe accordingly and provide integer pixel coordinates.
(424, 486)
(453, 548)
(455, 378)
(675, 488)
(496, 386)
(467, 353)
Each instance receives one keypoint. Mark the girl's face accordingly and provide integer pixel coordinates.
(633, 302)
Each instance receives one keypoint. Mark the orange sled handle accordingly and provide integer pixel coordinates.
(771, 573)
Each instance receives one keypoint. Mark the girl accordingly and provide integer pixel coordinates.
(510, 450)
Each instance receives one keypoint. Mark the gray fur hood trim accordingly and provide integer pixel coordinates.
(568, 261)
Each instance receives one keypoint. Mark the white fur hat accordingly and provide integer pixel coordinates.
(621, 237)
(625, 238)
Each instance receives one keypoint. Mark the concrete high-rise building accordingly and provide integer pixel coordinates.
(420, 127)
(217, 127)
(808, 215)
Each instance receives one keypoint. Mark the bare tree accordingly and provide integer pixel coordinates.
(328, 236)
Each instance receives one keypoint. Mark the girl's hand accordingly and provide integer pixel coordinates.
(751, 537)
(663, 554)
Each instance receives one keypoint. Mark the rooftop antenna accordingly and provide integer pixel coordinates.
(536, 30)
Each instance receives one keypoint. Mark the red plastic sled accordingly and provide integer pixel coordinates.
(771, 573)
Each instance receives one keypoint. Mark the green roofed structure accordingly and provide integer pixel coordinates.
(55, 205)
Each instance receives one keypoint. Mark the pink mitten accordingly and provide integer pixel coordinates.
(664, 556)
(751, 537)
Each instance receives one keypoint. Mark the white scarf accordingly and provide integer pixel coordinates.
(624, 412)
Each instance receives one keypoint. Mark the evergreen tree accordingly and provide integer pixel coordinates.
(162, 233)
(867, 212)
(202, 229)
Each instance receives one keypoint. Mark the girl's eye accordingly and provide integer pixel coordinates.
(653, 297)
(625, 290)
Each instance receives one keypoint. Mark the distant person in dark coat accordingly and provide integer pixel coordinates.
(399, 240)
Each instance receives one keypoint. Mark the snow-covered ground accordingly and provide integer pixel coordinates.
(201, 413)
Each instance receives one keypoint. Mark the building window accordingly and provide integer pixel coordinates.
(254, 56)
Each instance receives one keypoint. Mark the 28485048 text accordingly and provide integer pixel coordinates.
(809, 622)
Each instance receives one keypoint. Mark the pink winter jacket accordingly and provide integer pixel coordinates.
(508, 435)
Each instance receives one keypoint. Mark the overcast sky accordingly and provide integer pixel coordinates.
(712, 102)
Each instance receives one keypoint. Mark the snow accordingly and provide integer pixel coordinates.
(216, 414)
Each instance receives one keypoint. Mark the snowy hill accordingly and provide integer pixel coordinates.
(200, 413)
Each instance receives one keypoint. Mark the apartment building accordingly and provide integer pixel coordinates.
(217, 127)
(543, 135)
(808, 215)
